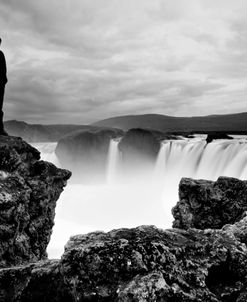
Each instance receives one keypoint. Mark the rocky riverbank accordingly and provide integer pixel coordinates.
(203, 259)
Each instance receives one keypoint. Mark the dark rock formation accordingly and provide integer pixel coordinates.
(85, 153)
(141, 264)
(217, 135)
(29, 189)
(207, 204)
(139, 147)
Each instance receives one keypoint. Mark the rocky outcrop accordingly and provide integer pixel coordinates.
(85, 153)
(139, 148)
(210, 204)
(184, 264)
(29, 189)
(217, 135)
(141, 264)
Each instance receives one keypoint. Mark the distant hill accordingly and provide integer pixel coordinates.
(160, 124)
(44, 133)
(232, 123)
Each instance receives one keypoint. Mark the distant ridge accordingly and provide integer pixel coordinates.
(232, 123)
(44, 133)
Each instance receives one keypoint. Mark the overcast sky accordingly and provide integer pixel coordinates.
(79, 61)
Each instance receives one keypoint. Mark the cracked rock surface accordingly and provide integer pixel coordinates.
(29, 189)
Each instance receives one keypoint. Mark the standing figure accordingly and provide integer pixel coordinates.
(3, 81)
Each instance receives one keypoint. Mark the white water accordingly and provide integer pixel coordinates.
(113, 160)
(85, 208)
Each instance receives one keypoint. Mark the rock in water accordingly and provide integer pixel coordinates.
(29, 189)
(139, 150)
(138, 143)
(217, 135)
(85, 153)
(210, 204)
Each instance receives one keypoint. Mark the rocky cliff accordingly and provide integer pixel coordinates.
(210, 204)
(139, 144)
(146, 263)
(29, 189)
(85, 153)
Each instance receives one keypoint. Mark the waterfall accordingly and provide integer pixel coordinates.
(195, 158)
(112, 161)
(128, 202)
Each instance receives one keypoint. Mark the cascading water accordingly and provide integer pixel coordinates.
(83, 208)
(112, 162)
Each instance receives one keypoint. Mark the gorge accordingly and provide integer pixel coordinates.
(202, 258)
(139, 194)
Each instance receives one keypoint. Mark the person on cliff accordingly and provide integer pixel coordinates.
(3, 81)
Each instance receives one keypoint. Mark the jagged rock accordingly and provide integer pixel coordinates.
(85, 153)
(29, 189)
(141, 264)
(210, 204)
(217, 135)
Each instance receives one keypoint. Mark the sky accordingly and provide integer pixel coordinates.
(80, 61)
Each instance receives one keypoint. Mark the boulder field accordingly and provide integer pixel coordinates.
(202, 258)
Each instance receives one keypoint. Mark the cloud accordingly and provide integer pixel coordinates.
(83, 60)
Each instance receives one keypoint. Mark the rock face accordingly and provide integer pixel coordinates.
(139, 149)
(85, 153)
(29, 189)
(184, 264)
(207, 204)
(141, 264)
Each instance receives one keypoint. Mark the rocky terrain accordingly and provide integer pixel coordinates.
(207, 204)
(203, 259)
(29, 189)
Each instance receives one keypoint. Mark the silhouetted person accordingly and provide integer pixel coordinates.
(3, 81)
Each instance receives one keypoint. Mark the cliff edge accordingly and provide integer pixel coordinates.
(29, 189)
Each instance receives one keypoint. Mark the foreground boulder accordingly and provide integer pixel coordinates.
(29, 189)
(85, 153)
(141, 264)
(210, 204)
